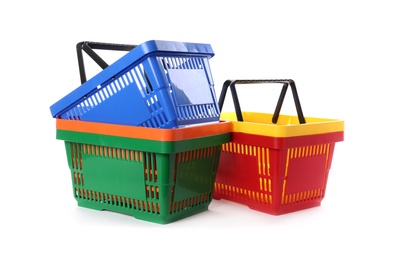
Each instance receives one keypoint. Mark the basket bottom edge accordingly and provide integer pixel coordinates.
(144, 215)
(273, 210)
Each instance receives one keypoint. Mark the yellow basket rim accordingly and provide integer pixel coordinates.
(287, 125)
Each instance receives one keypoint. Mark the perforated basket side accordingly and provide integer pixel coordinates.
(275, 177)
(156, 187)
(163, 88)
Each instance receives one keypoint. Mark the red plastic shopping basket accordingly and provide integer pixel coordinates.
(275, 163)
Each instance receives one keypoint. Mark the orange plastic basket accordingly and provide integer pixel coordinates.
(275, 163)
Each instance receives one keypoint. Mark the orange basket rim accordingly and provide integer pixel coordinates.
(140, 132)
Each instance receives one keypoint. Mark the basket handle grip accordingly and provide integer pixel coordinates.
(88, 47)
(231, 84)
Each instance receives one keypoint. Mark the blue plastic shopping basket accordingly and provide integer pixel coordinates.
(161, 84)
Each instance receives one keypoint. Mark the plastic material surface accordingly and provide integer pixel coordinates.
(137, 132)
(277, 168)
(275, 163)
(160, 84)
(286, 126)
(152, 180)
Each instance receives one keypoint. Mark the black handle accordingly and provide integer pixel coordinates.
(88, 48)
(231, 84)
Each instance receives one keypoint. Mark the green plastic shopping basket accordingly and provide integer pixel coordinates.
(153, 174)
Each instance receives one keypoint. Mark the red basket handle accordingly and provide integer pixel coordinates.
(231, 84)
(88, 48)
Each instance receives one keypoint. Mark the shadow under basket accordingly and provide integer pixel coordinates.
(156, 175)
(277, 168)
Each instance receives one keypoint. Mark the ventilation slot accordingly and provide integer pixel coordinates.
(119, 201)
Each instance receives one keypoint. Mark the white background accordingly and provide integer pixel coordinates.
(340, 55)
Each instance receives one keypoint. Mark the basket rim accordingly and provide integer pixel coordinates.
(287, 126)
(140, 132)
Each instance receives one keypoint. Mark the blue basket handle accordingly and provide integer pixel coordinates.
(231, 84)
(88, 47)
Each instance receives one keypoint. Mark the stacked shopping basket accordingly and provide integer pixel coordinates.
(147, 137)
(143, 136)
